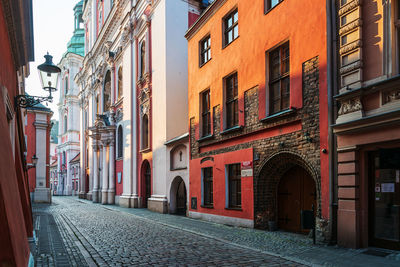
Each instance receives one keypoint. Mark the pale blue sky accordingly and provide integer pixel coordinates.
(53, 25)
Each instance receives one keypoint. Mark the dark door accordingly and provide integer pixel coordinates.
(384, 198)
(181, 199)
(147, 181)
(296, 192)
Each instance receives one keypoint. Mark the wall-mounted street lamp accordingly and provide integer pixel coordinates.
(34, 162)
(48, 73)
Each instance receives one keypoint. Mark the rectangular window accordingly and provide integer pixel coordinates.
(231, 104)
(279, 79)
(231, 27)
(205, 50)
(235, 186)
(205, 114)
(269, 4)
(208, 186)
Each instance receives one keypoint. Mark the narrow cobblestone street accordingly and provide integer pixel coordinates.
(74, 232)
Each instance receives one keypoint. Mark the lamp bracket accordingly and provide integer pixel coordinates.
(27, 101)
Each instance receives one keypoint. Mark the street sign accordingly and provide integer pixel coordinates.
(246, 169)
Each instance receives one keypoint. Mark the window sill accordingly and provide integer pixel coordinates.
(202, 64)
(280, 114)
(272, 8)
(204, 138)
(226, 45)
(232, 129)
(233, 208)
(179, 169)
(207, 206)
(145, 150)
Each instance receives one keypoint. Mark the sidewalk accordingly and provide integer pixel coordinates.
(290, 246)
(53, 246)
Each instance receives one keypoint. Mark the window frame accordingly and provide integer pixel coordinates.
(204, 51)
(142, 58)
(234, 202)
(281, 78)
(120, 138)
(234, 101)
(226, 30)
(205, 113)
(208, 187)
(145, 133)
(120, 92)
(268, 5)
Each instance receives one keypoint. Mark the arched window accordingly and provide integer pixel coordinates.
(145, 132)
(120, 92)
(119, 142)
(97, 105)
(66, 85)
(65, 124)
(63, 158)
(107, 92)
(142, 58)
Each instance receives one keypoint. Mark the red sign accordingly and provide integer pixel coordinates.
(247, 165)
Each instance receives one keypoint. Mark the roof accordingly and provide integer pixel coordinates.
(77, 158)
(177, 139)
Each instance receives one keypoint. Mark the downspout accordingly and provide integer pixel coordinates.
(133, 174)
(332, 88)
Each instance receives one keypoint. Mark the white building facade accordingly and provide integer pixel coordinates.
(68, 107)
(133, 97)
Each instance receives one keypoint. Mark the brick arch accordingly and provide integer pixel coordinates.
(267, 181)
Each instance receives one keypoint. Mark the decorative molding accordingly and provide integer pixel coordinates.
(351, 67)
(350, 26)
(390, 96)
(351, 46)
(349, 6)
(350, 105)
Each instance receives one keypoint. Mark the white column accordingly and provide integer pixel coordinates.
(111, 181)
(105, 174)
(95, 193)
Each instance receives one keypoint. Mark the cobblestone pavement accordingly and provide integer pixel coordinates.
(98, 235)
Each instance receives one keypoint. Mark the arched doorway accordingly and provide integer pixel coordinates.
(178, 197)
(286, 183)
(146, 182)
(296, 192)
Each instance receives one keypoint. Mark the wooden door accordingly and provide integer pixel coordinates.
(147, 183)
(296, 192)
(181, 199)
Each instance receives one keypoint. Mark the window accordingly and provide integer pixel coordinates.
(207, 186)
(235, 186)
(231, 104)
(269, 4)
(145, 132)
(97, 105)
(99, 15)
(205, 113)
(279, 79)
(231, 27)
(120, 92)
(107, 92)
(65, 124)
(120, 142)
(66, 85)
(205, 50)
(142, 59)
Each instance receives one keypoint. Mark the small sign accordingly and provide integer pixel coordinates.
(387, 188)
(119, 175)
(377, 188)
(246, 169)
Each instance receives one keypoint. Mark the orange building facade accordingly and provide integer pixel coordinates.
(368, 123)
(258, 114)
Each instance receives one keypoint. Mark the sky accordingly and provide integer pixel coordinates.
(53, 26)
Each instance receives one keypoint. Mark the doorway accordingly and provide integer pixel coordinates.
(296, 192)
(146, 170)
(384, 198)
(178, 197)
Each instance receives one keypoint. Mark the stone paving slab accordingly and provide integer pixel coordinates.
(290, 246)
(122, 239)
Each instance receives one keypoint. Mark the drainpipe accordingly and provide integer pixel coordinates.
(332, 90)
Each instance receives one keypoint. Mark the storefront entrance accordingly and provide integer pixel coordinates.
(296, 192)
(384, 198)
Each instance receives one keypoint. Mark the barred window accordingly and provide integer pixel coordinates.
(208, 186)
(235, 186)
